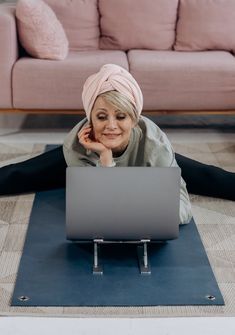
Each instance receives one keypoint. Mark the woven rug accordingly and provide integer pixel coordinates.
(215, 219)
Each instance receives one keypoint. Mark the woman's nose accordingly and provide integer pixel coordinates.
(112, 123)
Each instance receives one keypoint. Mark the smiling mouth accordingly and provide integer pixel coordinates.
(111, 135)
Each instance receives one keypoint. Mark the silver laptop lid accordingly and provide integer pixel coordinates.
(122, 203)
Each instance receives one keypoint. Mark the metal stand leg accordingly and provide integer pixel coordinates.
(143, 258)
(97, 268)
(141, 251)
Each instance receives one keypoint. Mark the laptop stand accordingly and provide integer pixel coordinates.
(142, 254)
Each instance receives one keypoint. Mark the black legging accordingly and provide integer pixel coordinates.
(47, 171)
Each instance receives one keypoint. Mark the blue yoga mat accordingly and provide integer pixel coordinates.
(56, 272)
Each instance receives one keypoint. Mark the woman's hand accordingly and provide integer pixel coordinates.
(86, 139)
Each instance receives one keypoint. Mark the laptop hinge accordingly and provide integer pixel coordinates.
(142, 253)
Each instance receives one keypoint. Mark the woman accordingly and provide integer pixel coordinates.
(115, 134)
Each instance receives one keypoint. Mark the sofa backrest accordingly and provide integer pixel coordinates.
(182, 25)
(137, 24)
(117, 24)
(80, 19)
(205, 25)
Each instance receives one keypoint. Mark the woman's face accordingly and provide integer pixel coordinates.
(111, 127)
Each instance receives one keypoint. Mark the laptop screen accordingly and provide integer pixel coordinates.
(122, 203)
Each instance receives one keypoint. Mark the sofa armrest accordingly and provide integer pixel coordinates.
(8, 52)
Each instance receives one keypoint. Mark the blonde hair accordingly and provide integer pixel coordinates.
(121, 102)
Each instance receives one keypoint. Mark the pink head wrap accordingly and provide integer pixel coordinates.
(111, 77)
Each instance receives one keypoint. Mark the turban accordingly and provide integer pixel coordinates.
(111, 77)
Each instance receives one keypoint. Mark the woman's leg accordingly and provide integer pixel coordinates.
(206, 179)
(43, 172)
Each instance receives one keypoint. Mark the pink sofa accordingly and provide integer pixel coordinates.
(167, 45)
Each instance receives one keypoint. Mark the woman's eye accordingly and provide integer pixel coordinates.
(121, 117)
(101, 117)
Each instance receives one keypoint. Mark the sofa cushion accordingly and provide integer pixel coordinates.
(178, 80)
(43, 84)
(206, 25)
(137, 24)
(40, 32)
(80, 19)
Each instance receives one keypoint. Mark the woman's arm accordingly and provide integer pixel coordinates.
(79, 151)
(185, 205)
(87, 140)
(159, 152)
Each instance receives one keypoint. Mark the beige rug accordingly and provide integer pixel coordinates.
(215, 220)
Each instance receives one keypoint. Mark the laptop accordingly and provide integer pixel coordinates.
(122, 203)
